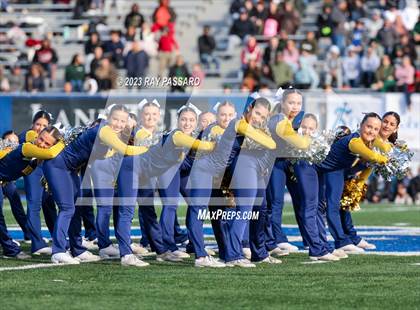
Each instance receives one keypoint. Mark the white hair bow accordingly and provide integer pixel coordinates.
(216, 107)
(189, 105)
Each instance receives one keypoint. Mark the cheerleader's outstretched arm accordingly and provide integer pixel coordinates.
(244, 128)
(285, 131)
(357, 146)
(183, 140)
(110, 138)
(31, 150)
(382, 145)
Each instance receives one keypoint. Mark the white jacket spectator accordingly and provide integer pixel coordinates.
(374, 24)
(370, 61)
(351, 68)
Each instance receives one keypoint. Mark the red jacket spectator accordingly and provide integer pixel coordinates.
(163, 15)
(251, 52)
(167, 42)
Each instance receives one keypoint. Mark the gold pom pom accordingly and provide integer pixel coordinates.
(354, 192)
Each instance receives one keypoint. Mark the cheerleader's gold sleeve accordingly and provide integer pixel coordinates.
(284, 130)
(110, 138)
(31, 150)
(242, 127)
(382, 145)
(181, 139)
(357, 146)
(4, 152)
(30, 136)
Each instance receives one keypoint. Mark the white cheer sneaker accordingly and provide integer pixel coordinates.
(339, 253)
(270, 260)
(110, 251)
(89, 244)
(247, 253)
(138, 249)
(168, 257)
(64, 258)
(287, 246)
(326, 258)
(351, 249)
(180, 254)
(366, 245)
(279, 252)
(44, 251)
(243, 263)
(87, 257)
(133, 260)
(209, 261)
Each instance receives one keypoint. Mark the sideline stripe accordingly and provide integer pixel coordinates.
(34, 266)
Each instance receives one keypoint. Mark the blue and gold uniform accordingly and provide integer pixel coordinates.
(341, 157)
(37, 198)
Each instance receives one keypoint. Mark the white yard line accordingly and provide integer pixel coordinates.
(34, 266)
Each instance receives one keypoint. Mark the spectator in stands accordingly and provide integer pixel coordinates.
(333, 69)
(16, 35)
(106, 75)
(351, 67)
(134, 18)
(92, 43)
(197, 72)
(259, 14)
(399, 26)
(148, 39)
(272, 22)
(130, 34)
(250, 52)
(137, 61)
(384, 76)
(163, 16)
(407, 46)
(267, 78)
(252, 75)
(34, 81)
(357, 9)
(290, 18)
(310, 43)
(114, 49)
(168, 46)
(388, 36)
(16, 79)
(325, 23)
(179, 70)
(94, 64)
(282, 72)
(377, 48)
(271, 51)
(46, 56)
(369, 63)
(206, 47)
(339, 17)
(240, 29)
(305, 76)
(359, 36)
(291, 54)
(374, 24)
(75, 73)
(416, 32)
(4, 82)
(404, 75)
(67, 88)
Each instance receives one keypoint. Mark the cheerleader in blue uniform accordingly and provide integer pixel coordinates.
(306, 176)
(388, 135)
(36, 196)
(281, 128)
(10, 192)
(173, 182)
(19, 162)
(64, 182)
(213, 165)
(156, 161)
(151, 229)
(341, 157)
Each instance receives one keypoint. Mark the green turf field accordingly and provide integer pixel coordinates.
(359, 282)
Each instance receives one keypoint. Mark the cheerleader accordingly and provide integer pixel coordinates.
(36, 196)
(173, 182)
(306, 176)
(214, 164)
(150, 227)
(18, 162)
(281, 128)
(10, 191)
(156, 161)
(225, 112)
(331, 171)
(61, 173)
(388, 135)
